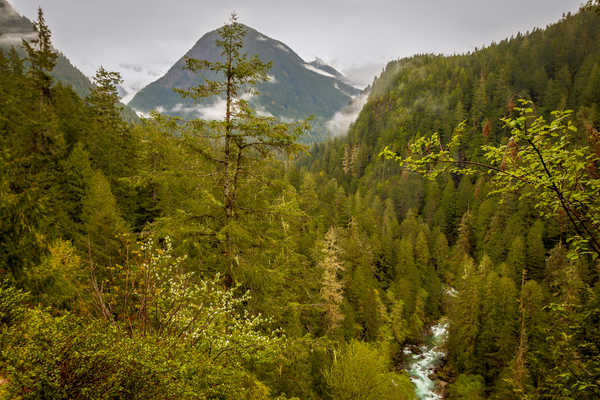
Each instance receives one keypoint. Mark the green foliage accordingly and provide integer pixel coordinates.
(542, 163)
(360, 372)
(102, 223)
(65, 358)
(336, 248)
(11, 305)
(61, 278)
(190, 339)
(41, 56)
(467, 387)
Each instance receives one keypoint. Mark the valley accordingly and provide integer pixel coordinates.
(253, 226)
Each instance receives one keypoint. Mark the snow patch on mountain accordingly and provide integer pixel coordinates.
(335, 85)
(318, 71)
(282, 47)
(320, 61)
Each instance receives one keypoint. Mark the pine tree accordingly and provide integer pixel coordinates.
(422, 254)
(102, 224)
(465, 319)
(42, 58)
(242, 139)
(536, 253)
(516, 260)
(439, 249)
(107, 128)
(332, 287)
(32, 145)
(465, 235)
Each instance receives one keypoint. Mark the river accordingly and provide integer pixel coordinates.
(425, 359)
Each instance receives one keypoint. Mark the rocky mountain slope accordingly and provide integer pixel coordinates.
(296, 89)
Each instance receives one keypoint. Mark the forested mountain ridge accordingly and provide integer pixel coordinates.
(213, 259)
(490, 240)
(14, 27)
(296, 89)
(174, 259)
(556, 67)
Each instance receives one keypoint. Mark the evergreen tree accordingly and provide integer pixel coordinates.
(536, 253)
(107, 128)
(103, 225)
(243, 138)
(332, 287)
(42, 58)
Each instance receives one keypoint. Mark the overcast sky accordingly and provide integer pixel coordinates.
(143, 38)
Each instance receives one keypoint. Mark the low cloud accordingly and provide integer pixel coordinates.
(15, 39)
(136, 77)
(262, 112)
(339, 124)
(212, 112)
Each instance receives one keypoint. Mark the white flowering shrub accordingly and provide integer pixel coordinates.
(210, 317)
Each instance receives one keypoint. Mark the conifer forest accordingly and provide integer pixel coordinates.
(164, 256)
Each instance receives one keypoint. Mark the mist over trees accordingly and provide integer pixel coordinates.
(223, 260)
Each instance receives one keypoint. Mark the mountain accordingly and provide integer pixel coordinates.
(296, 89)
(11, 22)
(557, 68)
(485, 235)
(14, 27)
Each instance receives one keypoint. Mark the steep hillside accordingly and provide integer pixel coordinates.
(296, 90)
(557, 67)
(505, 263)
(14, 28)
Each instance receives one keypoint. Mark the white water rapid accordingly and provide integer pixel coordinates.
(423, 362)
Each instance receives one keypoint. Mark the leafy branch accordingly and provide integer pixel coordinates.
(541, 161)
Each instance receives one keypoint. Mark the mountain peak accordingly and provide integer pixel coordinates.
(326, 68)
(295, 90)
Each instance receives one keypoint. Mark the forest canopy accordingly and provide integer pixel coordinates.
(221, 259)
